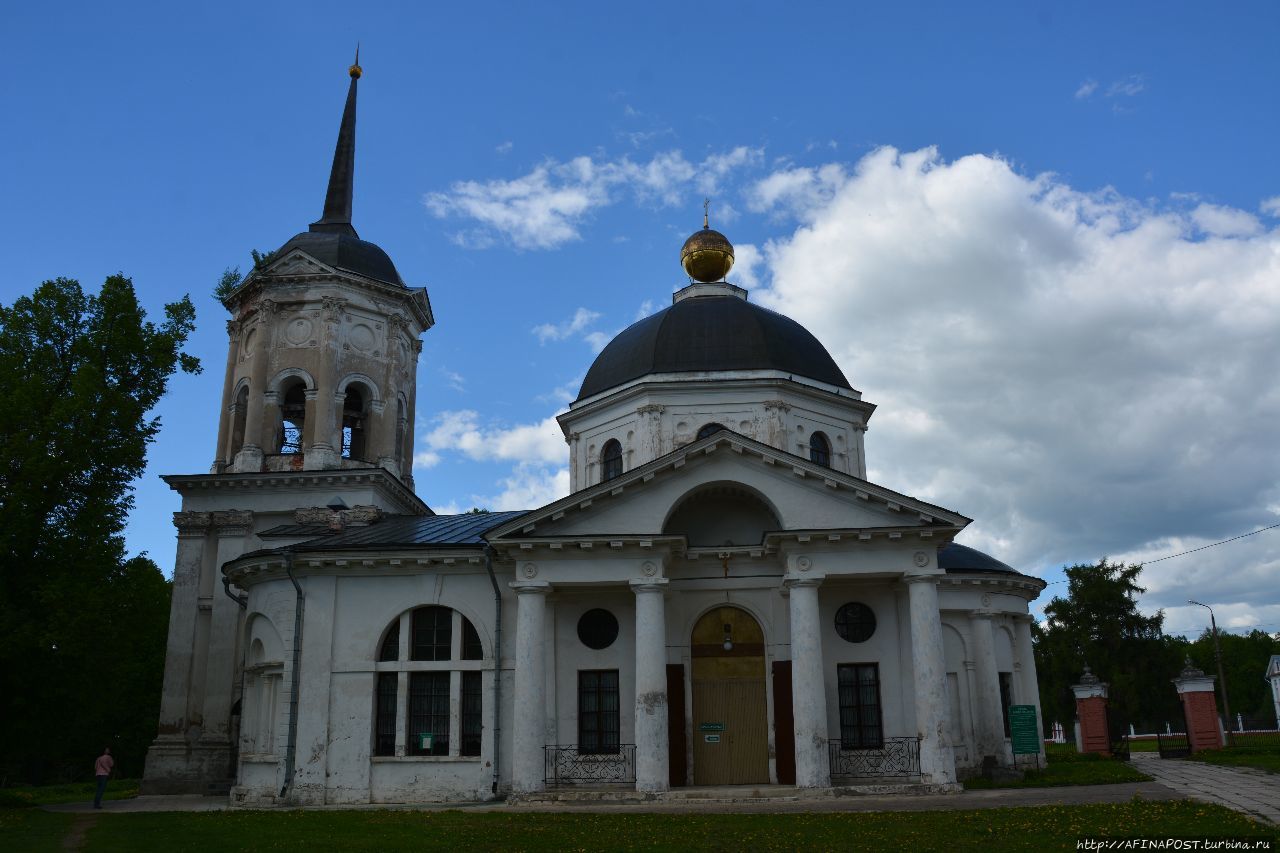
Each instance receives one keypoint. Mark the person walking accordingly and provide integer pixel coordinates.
(102, 771)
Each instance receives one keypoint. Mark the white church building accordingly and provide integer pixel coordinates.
(722, 599)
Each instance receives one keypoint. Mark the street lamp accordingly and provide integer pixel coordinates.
(1217, 652)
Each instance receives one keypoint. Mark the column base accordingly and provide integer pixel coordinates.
(321, 457)
(175, 766)
(248, 460)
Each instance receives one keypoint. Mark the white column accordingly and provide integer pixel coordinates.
(808, 687)
(937, 762)
(527, 767)
(1028, 682)
(652, 758)
(990, 722)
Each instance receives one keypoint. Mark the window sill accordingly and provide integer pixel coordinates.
(426, 759)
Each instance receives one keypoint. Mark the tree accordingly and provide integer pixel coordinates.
(82, 627)
(1099, 624)
(1244, 659)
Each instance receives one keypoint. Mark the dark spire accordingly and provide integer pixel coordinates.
(337, 202)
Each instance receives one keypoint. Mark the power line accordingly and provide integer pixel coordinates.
(1212, 544)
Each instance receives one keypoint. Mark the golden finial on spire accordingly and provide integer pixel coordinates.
(707, 255)
(355, 70)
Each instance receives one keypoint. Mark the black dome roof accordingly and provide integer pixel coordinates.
(346, 253)
(711, 333)
(961, 558)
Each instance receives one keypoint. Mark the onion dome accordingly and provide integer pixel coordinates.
(707, 255)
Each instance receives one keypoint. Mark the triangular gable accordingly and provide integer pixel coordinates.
(298, 262)
(806, 496)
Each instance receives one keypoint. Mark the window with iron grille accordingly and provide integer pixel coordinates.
(385, 714)
(860, 722)
(432, 634)
(472, 703)
(428, 712)
(449, 709)
(598, 721)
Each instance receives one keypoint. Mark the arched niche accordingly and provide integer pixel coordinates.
(722, 514)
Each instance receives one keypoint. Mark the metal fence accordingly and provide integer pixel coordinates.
(895, 757)
(1252, 734)
(571, 765)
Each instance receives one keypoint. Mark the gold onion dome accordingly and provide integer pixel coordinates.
(707, 255)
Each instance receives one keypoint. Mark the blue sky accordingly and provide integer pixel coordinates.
(1043, 239)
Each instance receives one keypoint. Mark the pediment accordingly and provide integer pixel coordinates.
(296, 263)
(803, 496)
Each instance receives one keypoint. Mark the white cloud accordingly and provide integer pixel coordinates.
(1270, 206)
(1132, 85)
(1082, 373)
(1218, 221)
(529, 486)
(453, 379)
(461, 431)
(581, 319)
(545, 208)
(505, 147)
(1087, 88)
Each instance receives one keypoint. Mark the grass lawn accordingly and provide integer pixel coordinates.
(1044, 828)
(1067, 767)
(32, 831)
(1242, 756)
(117, 789)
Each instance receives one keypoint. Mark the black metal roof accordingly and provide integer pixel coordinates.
(346, 253)
(711, 333)
(403, 531)
(954, 557)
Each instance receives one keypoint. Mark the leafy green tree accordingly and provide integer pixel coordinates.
(1098, 624)
(1244, 660)
(82, 626)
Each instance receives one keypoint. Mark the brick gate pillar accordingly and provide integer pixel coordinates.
(1091, 711)
(1200, 705)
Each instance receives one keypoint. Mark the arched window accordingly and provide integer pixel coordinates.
(611, 460)
(431, 656)
(293, 414)
(708, 429)
(239, 411)
(820, 449)
(353, 423)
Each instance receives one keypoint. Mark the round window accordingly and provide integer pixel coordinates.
(597, 629)
(855, 622)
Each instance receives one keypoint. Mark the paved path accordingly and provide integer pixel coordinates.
(1254, 792)
(983, 799)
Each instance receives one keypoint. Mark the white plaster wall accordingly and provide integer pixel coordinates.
(884, 647)
(653, 420)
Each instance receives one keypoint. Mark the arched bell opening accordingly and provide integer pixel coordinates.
(293, 416)
(355, 418)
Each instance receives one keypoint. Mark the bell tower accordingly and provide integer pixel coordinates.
(322, 356)
(315, 430)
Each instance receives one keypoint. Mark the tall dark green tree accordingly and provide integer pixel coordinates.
(1244, 660)
(1098, 623)
(82, 628)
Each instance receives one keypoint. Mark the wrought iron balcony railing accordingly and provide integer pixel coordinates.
(895, 757)
(573, 765)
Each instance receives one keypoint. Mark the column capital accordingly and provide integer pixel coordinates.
(191, 523)
(982, 614)
(530, 587)
(792, 583)
(931, 578)
(649, 586)
(233, 522)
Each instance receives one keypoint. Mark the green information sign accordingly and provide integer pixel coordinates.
(1024, 729)
(425, 740)
(711, 727)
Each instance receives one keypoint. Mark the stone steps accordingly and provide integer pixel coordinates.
(721, 795)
